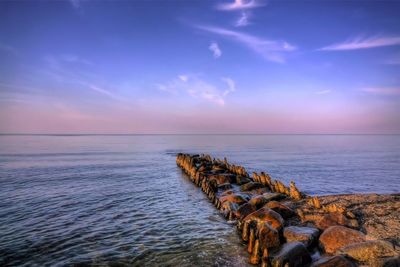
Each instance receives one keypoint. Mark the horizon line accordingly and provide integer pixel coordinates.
(133, 134)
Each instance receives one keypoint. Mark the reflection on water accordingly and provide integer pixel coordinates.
(109, 200)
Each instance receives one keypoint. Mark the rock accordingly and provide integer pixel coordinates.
(336, 237)
(222, 178)
(391, 262)
(225, 186)
(280, 208)
(292, 254)
(258, 201)
(250, 186)
(227, 192)
(268, 236)
(369, 250)
(266, 215)
(335, 261)
(273, 196)
(306, 235)
(244, 210)
(240, 180)
(335, 218)
(228, 207)
(234, 198)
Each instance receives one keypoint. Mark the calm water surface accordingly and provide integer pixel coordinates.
(121, 200)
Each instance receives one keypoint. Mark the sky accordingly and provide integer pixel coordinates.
(229, 66)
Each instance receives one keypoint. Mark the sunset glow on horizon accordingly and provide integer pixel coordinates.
(200, 67)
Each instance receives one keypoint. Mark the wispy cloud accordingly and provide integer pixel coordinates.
(241, 4)
(389, 91)
(243, 20)
(104, 92)
(323, 92)
(214, 48)
(393, 60)
(75, 3)
(196, 87)
(363, 43)
(8, 49)
(271, 50)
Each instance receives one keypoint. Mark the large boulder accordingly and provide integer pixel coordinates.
(293, 254)
(222, 178)
(280, 208)
(258, 201)
(335, 218)
(268, 236)
(266, 215)
(273, 196)
(336, 237)
(334, 261)
(369, 250)
(306, 235)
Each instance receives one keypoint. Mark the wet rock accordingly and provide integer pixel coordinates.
(336, 237)
(282, 209)
(334, 261)
(391, 262)
(268, 236)
(250, 186)
(234, 198)
(222, 178)
(335, 218)
(227, 192)
(293, 254)
(306, 235)
(273, 196)
(225, 186)
(240, 180)
(369, 250)
(258, 201)
(244, 210)
(266, 215)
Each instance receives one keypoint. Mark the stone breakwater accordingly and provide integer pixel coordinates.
(284, 227)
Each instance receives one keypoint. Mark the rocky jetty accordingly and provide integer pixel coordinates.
(282, 226)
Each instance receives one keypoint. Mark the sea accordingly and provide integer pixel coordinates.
(120, 200)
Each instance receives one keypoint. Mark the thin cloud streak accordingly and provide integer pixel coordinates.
(363, 43)
(269, 49)
(214, 48)
(241, 4)
(323, 92)
(382, 91)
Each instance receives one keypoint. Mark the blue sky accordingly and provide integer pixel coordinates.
(84, 66)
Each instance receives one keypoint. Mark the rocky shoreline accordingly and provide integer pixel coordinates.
(284, 227)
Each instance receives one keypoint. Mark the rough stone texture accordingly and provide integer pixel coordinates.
(335, 218)
(244, 210)
(369, 250)
(378, 215)
(225, 186)
(335, 261)
(293, 254)
(306, 235)
(233, 198)
(268, 236)
(266, 215)
(250, 186)
(282, 209)
(391, 262)
(336, 237)
(258, 201)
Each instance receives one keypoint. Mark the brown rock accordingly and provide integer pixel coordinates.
(250, 186)
(244, 210)
(224, 187)
(335, 218)
(335, 261)
(293, 254)
(268, 236)
(306, 235)
(336, 237)
(234, 198)
(240, 180)
(369, 250)
(266, 215)
(258, 201)
(391, 262)
(280, 208)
